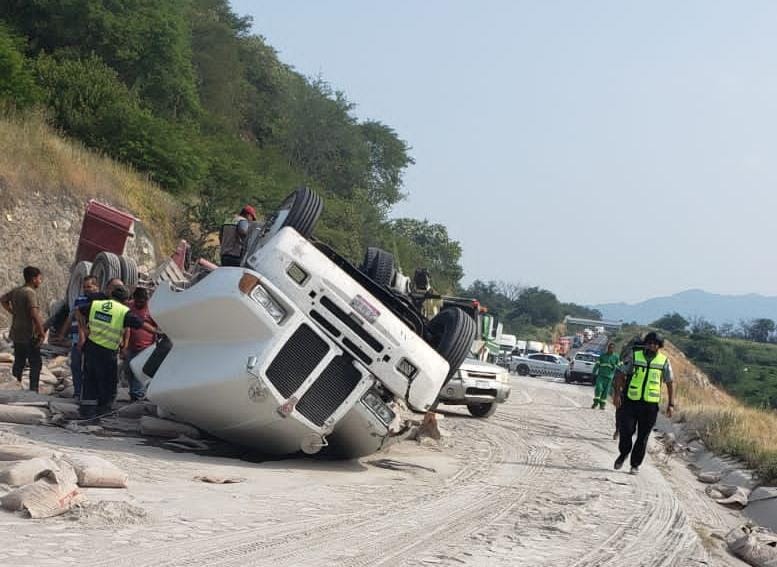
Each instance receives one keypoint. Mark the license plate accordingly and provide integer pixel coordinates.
(364, 308)
(483, 385)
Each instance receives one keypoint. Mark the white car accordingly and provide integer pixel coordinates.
(296, 350)
(539, 364)
(479, 385)
(582, 367)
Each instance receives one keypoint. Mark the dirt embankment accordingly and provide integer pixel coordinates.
(45, 183)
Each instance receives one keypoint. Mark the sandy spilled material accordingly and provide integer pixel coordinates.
(533, 485)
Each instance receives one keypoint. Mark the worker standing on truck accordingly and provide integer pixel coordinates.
(641, 379)
(604, 372)
(100, 342)
(233, 235)
(27, 332)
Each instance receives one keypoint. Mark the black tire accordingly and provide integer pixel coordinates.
(522, 370)
(451, 334)
(381, 269)
(129, 272)
(369, 258)
(300, 211)
(106, 267)
(77, 275)
(482, 410)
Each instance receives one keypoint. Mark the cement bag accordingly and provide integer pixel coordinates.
(68, 410)
(22, 414)
(19, 473)
(755, 546)
(95, 471)
(156, 427)
(6, 357)
(24, 452)
(50, 496)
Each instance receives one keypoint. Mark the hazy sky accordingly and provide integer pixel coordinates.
(605, 150)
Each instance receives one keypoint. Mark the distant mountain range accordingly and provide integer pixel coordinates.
(694, 303)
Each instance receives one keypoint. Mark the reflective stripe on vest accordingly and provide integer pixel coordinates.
(645, 382)
(106, 323)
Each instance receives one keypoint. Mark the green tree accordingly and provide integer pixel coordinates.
(671, 322)
(758, 330)
(17, 85)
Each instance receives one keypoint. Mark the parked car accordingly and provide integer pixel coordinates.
(298, 349)
(539, 364)
(581, 367)
(479, 385)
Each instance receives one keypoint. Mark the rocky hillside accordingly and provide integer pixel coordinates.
(45, 183)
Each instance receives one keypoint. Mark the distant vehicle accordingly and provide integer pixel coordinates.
(582, 367)
(535, 347)
(599, 330)
(506, 346)
(478, 385)
(540, 364)
(588, 334)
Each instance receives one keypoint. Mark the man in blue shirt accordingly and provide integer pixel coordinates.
(88, 287)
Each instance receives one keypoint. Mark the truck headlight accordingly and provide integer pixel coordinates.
(263, 298)
(378, 407)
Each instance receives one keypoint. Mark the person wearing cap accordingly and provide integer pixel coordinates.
(139, 340)
(233, 236)
(100, 340)
(638, 393)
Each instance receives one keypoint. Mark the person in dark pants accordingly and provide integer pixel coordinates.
(27, 332)
(100, 341)
(643, 376)
(233, 236)
(88, 287)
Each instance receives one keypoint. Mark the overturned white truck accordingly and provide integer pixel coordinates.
(298, 349)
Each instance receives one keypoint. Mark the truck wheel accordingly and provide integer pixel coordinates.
(522, 370)
(129, 272)
(77, 275)
(106, 267)
(300, 210)
(452, 332)
(482, 410)
(379, 266)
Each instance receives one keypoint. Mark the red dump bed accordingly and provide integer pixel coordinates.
(104, 229)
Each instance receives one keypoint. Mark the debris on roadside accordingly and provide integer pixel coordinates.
(394, 465)
(158, 427)
(107, 513)
(755, 545)
(709, 477)
(53, 494)
(218, 479)
(96, 472)
(732, 496)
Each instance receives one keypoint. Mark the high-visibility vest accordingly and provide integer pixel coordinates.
(231, 241)
(645, 382)
(106, 323)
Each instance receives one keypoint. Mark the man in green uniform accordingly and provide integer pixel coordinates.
(604, 370)
(101, 340)
(641, 380)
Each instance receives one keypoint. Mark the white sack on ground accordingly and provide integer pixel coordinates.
(50, 496)
(94, 471)
(22, 414)
(19, 473)
(23, 452)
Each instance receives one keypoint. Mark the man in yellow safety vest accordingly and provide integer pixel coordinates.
(100, 342)
(639, 381)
